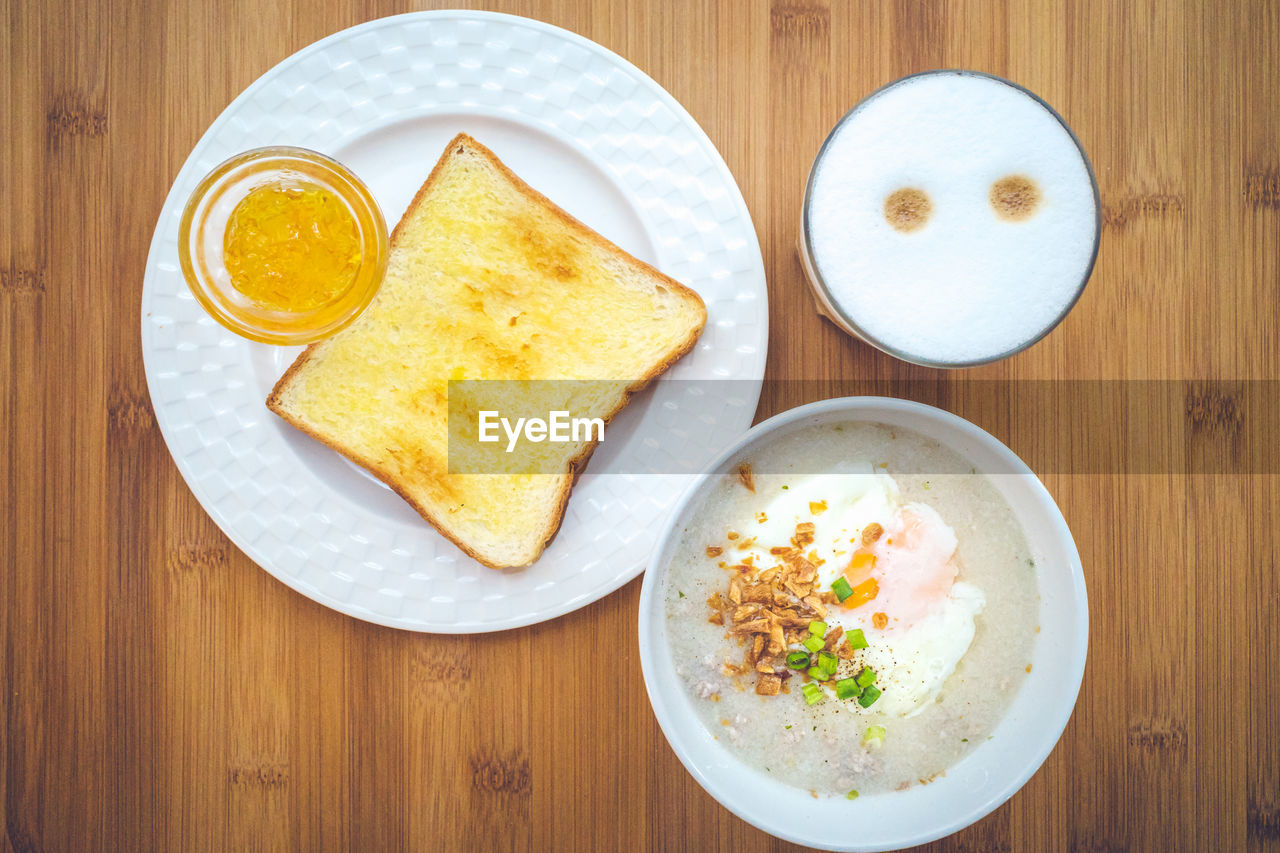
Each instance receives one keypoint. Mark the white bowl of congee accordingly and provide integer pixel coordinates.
(865, 627)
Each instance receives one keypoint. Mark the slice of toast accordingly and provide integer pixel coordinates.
(486, 279)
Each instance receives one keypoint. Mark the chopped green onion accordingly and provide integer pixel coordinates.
(842, 589)
(852, 795)
(856, 638)
(817, 673)
(812, 643)
(869, 697)
(798, 660)
(818, 629)
(847, 688)
(828, 661)
(867, 677)
(812, 694)
(874, 736)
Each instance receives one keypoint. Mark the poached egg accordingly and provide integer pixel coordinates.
(899, 560)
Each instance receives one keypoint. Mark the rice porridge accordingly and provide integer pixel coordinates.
(853, 609)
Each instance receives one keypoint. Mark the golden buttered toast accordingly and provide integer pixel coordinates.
(487, 279)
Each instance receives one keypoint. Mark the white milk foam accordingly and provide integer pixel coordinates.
(968, 285)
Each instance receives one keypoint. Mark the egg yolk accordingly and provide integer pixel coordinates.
(292, 246)
(858, 573)
(913, 570)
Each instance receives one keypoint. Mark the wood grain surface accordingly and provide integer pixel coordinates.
(161, 692)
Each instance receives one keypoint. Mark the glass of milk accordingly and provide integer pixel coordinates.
(950, 219)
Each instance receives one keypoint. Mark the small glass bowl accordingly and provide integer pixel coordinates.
(204, 224)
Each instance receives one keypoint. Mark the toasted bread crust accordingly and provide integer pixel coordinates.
(459, 145)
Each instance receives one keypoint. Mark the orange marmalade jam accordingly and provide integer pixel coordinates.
(292, 245)
(282, 245)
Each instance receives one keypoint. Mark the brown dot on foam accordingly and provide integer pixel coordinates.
(1015, 198)
(907, 209)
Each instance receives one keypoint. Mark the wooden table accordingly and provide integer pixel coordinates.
(161, 692)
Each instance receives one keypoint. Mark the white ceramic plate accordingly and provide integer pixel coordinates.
(981, 780)
(581, 125)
